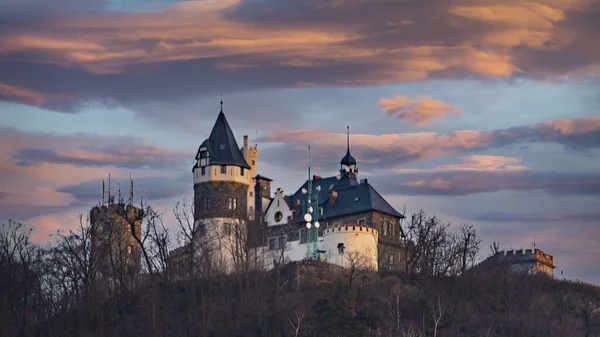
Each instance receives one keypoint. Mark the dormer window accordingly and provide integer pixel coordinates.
(203, 154)
(222, 146)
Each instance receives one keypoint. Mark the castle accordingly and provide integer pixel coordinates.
(339, 219)
(528, 261)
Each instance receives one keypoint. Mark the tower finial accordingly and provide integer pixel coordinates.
(348, 137)
(221, 102)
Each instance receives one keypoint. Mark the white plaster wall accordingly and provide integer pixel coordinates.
(213, 173)
(294, 251)
(220, 246)
(278, 205)
(360, 246)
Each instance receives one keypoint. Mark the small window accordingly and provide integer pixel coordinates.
(223, 169)
(253, 163)
(362, 221)
(232, 203)
(203, 154)
(390, 259)
(203, 170)
(340, 247)
(272, 243)
(278, 216)
(303, 236)
(227, 228)
(241, 171)
(222, 146)
(202, 229)
(384, 227)
(205, 204)
(281, 242)
(251, 194)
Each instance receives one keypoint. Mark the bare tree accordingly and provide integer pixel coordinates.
(296, 323)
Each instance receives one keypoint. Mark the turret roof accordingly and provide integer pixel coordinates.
(221, 145)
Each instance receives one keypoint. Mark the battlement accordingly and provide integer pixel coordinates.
(118, 208)
(350, 228)
(525, 255)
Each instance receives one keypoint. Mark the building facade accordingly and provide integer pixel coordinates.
(239, 223)
(357, 226)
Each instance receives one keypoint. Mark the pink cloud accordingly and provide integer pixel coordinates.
(420, 110)
(479, 163)
(396, 149)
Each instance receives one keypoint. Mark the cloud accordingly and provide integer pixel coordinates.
(478, 163)
(34, 149)
(43, 173)
(537, 217)
(390, 150)
(420, 110)
(466, 183)
(209, 47)
(149, 188)
(132, 155)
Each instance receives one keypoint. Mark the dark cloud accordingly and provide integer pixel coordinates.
(131, 156)
(537, 217)
(83, 149)
(132, 59)
(149, 188)
(466, 183)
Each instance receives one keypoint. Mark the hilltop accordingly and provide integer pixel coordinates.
(320, 300)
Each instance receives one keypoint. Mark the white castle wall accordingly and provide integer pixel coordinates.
(224, 249)
(213, 173)
(360, 244)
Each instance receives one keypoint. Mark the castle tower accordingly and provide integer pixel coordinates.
(116, 252)
(348, 167)
(222, 180)
(251, 156)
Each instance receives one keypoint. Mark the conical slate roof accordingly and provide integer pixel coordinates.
(221, 145)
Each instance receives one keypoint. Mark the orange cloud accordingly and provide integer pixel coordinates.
(25, 95)
(479, 163)
(421, 110)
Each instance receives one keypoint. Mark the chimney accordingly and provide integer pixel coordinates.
(316, 177)
(245, 141)
(332, 198)
(297, 207)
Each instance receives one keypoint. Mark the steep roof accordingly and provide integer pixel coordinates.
(221, 145)
(352, 197)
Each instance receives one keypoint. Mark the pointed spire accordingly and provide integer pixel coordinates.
(221, 102)
(348, 139)
(348, 160)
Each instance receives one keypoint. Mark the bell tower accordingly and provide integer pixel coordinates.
(348, 166)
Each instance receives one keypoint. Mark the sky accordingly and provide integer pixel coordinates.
(482, 112)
